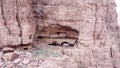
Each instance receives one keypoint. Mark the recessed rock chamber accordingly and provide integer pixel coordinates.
(57, 35)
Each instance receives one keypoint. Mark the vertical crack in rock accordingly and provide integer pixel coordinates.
(94, 32)
(113, 58)
(17, 19)
(111, 54)
(98, 35)
(2, 13)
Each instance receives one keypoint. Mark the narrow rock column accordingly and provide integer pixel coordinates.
(26, 20)
(17, 25)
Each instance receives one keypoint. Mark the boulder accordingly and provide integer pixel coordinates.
(7, 49)
(10, 56)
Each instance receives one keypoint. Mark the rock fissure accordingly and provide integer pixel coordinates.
(2, 13)
(19, 23)
(98, 35)
(111, 53)
(95, 23)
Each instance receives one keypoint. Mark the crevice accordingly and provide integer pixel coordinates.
(111, 54)
(113, 58)
(94, 32)
(18, 21)
(98, 36)
(2, 13)
(30, 36)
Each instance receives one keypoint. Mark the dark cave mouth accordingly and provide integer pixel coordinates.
(55, 34)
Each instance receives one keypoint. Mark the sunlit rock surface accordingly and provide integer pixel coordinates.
(94, 21)
(17, 25)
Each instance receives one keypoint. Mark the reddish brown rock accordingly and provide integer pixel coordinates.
(10, 56)
(14, 56)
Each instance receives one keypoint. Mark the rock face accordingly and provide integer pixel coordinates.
(96, 22)
(17, 25)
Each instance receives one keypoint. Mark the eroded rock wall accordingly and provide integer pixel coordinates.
(91, 18)
(96, 21)
(17, 25)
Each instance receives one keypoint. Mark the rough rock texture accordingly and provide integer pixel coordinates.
(118, 18)
(96, 21)
(17, 25)
(37, 58)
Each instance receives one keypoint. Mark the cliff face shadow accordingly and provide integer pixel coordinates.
(56, 34)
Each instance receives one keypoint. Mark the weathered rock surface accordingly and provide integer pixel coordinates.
(7, 50)
(10, 56)
(96, 22)
(36, 60)
(17, 25)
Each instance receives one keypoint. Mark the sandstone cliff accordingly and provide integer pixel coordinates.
(17, 25)
(94, 21)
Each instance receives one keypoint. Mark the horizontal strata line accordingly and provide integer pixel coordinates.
(47, 20)
(73, 39)
(51, 5)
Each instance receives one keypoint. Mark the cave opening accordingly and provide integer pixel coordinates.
(58, 35)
